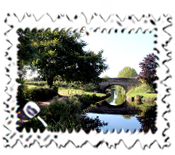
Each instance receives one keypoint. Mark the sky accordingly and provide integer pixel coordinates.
(120, 49)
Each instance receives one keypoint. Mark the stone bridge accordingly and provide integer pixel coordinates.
(126, 83)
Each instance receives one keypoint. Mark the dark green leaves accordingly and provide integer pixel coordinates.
(59, 53)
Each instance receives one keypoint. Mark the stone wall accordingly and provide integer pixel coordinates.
(126, 83)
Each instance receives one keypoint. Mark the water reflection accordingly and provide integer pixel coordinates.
(147, 120)
(116, 99)
(117, 122)
(143, 121)
(127, 115)
(111, 99)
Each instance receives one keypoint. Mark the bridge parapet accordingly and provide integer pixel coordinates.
(126, 83)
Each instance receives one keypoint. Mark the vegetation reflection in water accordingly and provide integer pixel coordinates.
(128, 122)
(144, 121)
(117, 95)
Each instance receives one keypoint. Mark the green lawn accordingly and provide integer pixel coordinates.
(142, 91)
(67, 91)
(31, 86)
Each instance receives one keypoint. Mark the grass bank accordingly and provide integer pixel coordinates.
(69, 91)
(143, 92)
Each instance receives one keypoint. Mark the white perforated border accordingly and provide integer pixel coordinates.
(45, 21)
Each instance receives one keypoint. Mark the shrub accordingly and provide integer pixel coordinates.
(88, 99)
(89, 87)
(62, 115)
(58, 116)
(22, 95)
(38, 94)
(37, 83)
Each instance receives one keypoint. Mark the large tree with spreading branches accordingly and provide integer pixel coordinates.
(59, 53)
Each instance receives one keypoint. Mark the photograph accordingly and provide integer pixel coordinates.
(94, 81)
(86, 81)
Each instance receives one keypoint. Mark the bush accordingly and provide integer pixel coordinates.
(22, 98)
(58, 115)
(39, 94)
(88, 99)
(37, 83)
(89, 87)
(62, 115)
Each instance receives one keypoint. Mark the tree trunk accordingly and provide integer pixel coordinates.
(50, 81)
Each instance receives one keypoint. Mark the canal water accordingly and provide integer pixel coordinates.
(113, 101)
(117, 122)
(125, 122)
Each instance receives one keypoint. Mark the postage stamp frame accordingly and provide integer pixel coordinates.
(128, 24)
(45, 137)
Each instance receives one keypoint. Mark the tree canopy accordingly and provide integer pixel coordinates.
(148, 66)
(59, 53)
(127, 72)
(106, 77)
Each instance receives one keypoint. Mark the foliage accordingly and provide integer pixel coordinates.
(39, 94)
(119, 90)
(128, 116)
(37, 83)
(111, 98)
(148, 66)
(88, 99)
(147, 119)
(59, 53)
(90, 87)
(127, 72)
(62, 115)
(120, 99)
(106, 77)
(33, 79)
(21, 95)
(142, 90)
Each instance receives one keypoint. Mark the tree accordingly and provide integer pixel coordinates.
(106, 77)
(59, 53)
(127, 72)
(26, 52)
(148, 67)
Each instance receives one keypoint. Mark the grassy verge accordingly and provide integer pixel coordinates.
(31, 86)
(67, 91)
(143, 90)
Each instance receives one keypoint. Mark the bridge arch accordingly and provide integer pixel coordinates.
(126, 83)
(114, 85)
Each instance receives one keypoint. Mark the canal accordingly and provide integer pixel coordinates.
(123, 118)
